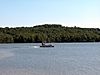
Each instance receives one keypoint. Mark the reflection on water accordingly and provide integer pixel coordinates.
(63, 59)
(5, 54)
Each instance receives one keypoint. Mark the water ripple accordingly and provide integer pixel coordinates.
(5, 54)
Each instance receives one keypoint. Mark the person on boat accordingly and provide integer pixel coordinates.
(43, 44)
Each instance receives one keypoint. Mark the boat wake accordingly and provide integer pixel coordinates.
(36, 46)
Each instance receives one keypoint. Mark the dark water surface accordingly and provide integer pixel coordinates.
(63, 59)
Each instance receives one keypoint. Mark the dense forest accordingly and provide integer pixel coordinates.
(48, 33)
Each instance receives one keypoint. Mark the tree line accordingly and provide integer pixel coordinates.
(48, 33)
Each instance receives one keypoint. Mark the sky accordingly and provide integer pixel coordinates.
(27, 13)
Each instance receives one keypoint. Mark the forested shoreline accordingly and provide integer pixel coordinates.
(49, 33)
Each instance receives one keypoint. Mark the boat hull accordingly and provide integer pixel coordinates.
(47, 46)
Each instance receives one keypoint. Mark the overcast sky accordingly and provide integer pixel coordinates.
(81, 13)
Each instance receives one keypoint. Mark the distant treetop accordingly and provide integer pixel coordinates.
(49, 25)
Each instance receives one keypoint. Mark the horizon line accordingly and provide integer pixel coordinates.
(32, 25)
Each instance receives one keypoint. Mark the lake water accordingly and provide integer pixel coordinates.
(63, 59)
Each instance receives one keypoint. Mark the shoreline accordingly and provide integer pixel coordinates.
(50, 42)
